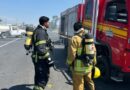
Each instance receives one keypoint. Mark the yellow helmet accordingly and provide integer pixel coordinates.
(97, 73)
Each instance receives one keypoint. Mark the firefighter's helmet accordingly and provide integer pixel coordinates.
(97, 73)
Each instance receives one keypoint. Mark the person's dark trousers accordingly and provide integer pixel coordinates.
(42, 72)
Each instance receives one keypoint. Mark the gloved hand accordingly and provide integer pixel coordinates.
(70, 67)
(49, 42)
(50, 62)
(50, 45)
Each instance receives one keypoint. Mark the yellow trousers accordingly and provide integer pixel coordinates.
(78, 81)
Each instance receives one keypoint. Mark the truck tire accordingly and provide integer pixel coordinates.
(3, 35)
(126, 78)
(104, 66)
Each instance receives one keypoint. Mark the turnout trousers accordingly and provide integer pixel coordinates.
(42, 73)
(80, 80)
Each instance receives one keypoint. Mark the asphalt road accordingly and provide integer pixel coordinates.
(16, 69)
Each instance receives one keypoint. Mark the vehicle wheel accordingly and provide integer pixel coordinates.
(3, 35)
(126, 79)
(104, 66)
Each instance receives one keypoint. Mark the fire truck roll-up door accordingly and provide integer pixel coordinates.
(72, 18)
(68, 18)
(91, 16)
(62, 29)
(95, 17)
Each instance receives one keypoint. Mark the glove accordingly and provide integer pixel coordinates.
(70, 67)
(49, 42)
(50, 62)
(50, 45)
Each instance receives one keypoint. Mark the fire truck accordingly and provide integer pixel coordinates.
(68, 18)
(109, 22)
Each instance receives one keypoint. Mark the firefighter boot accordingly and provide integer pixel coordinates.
(37, 88)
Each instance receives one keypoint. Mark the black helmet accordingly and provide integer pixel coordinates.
(43, 19)
(77, 26)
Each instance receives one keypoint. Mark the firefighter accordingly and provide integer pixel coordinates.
(41, 56)
(78, 59)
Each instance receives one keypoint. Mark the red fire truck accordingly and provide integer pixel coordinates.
(68, 18)
(109, 22)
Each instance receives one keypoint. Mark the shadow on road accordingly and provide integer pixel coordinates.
(19, 87)
(59, 56)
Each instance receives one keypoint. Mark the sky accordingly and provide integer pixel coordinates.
(29, 11)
